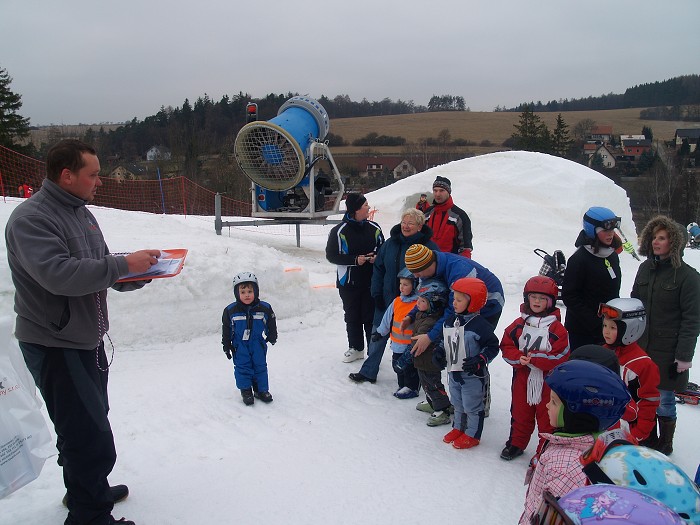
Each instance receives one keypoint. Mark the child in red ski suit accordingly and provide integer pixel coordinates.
(533, 344)
(624, 321)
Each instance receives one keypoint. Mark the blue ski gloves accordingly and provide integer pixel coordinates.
(472, 365)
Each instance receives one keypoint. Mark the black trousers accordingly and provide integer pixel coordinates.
(75, 392)
(358, 306)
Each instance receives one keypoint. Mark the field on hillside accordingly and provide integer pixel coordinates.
(495, 127)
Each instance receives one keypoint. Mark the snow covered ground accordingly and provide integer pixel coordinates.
(326, 450)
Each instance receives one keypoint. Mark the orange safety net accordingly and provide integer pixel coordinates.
(175, 195)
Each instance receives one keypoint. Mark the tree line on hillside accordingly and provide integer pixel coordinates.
(674, 92)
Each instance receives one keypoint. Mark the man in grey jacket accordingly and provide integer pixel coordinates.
(61, 269)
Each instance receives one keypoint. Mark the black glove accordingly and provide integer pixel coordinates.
(376, 336)
(439, 357)
(228, 353)
(473, 364)
(272, 342)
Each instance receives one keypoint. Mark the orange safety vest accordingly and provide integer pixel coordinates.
(401, 310)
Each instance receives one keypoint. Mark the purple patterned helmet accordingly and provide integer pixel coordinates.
(605, 505)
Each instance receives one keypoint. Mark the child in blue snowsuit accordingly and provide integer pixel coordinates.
(248, 324)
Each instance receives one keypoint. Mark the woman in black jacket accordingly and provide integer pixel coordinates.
(352, 246)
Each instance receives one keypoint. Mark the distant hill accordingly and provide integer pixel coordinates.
(678, 91)
(477, 127)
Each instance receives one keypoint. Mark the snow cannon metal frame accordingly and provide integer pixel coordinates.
(280, 158)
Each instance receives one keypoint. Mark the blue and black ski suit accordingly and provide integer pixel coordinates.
(246, 330)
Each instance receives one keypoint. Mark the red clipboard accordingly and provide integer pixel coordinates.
(169, 264)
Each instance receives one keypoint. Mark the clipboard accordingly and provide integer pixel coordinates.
(170, 263)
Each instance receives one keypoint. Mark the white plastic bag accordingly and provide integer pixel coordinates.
(25, 440)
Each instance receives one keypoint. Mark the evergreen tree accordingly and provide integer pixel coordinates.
(648, 134)
(561, 143)
(532, 134)
(13, 126)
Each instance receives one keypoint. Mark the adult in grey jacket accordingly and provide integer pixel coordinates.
(61, 268)
(670, 291)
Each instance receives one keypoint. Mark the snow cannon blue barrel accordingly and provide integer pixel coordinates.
(274, 154)
(694, 232)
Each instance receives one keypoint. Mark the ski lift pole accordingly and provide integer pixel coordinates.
(627, 245)
(162, 197)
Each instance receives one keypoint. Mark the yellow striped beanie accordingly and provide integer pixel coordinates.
(418, 258)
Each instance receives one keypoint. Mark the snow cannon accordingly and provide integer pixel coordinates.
(281, 156)
(694, 235)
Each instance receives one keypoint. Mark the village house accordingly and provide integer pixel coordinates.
(158, 153)
(690, 134)
(636, 147)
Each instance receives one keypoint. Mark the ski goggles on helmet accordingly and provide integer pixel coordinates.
(607, 224)
(605, 310)
(550, 513)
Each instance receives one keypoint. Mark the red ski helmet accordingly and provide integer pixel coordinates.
(475, 289)
(544, 285)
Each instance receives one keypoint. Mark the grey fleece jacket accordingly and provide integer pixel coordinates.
(61, 268)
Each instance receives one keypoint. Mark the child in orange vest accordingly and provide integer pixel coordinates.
(407, 376)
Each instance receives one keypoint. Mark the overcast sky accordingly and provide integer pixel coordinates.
(75, 61)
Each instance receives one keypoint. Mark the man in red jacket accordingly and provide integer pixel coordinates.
(452, 229)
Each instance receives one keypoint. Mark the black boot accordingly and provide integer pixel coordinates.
(667, 427)
(247, 395)
(265, 397)
(653, 440)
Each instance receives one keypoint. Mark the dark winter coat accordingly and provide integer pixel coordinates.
(390, 261)
(590, 279)
(670, 291)
(248, 326)
(423, 323)
(346, 241)
(452, 228)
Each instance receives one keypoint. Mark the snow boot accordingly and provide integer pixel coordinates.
(265, 397)
(667, 427)
(511, 452)
(406, 393)
(353, 355)
(119, 493)
(465, 441)
(247, 395)
(452, 435)
(359, 378)
(440, 417)
(424, 406)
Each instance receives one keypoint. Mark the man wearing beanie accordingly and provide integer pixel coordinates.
(425, 263)
(452, 229)
(352, 246)
(449, 267)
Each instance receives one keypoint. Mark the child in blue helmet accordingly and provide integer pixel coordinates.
(406, 376)
(586, 398)
(592, 276)
(432, 297)
(248, 324)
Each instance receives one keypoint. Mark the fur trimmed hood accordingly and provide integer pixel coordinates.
(677, 237)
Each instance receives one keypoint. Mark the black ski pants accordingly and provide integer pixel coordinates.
(358, 306)
(75, 392)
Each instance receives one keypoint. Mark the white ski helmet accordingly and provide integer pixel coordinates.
(245, 277)
(629, 316)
